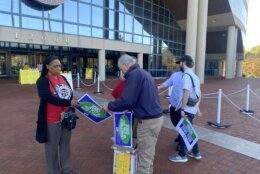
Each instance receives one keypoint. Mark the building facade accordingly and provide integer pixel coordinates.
(94, 33)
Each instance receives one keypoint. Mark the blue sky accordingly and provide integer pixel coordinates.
(253, 24)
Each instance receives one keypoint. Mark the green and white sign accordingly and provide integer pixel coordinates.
(123, 129)
(91, 109)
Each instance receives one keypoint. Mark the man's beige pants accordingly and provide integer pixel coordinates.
(147, 135)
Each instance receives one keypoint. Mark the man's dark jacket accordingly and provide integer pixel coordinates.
(46, 97)
(140, 94)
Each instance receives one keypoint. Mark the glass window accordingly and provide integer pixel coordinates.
(128, 37)
(138, 26)
(84, 31)
(139, 3)
(70, 28)
(86, 1)
(147, 5)
(84, 14)
(56, 26)
(54, 14)
(15, 6)
(121, 7)
(155, 9)
(97, 32)
(32, 23)
(129, 8)
(138, 11)
(46, 26)
(29, 11)
(97, 16)
(5, 19)
(111, 19)
(146, 40)
(129, 23)
(98, 2)
(16, 21)
(137, 39)
(5, 5)
(111, 35)
(112, 4)
(147, 14)
(121, 22)
(147, 28)
(70, 11)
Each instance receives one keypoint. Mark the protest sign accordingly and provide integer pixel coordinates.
(91, 109)
(186, 130)
(123, 129)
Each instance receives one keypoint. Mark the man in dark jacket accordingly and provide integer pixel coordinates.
(140, 94)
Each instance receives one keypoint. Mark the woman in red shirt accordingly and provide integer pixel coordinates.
(55, 97)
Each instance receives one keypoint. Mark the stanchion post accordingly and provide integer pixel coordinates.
(247, 111)
(218, 123)
(78, 84)
(98, 86)
(166, 111)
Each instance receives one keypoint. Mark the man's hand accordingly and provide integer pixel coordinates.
(183, 115)
(74, 103)
(105, 108)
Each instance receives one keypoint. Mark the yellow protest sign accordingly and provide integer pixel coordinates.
(124, 162)
(28, 76)
(89, 73)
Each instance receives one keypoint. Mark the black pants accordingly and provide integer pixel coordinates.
(175, 116)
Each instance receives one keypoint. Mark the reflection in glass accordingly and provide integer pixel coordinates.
(56, 26)
(111, 19)
(137, 39)
(112, 4)
(5, 5)
(111, 35)
(84, 31)
(16, 21)
(137, 26)
(32, 23)
(121, 7)
(84, 14)
(121, 22)
(129, 23)
(97, 32)
(70, 11)
(54, 14)
(70, 28)
(98, 2)
(138, 11)
(15, 6)
(128, 37)
(5, 19)
(146, 40)
(97, 16)
(29, 11)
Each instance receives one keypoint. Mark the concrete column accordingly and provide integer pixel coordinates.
(101, 65)
(191, 28)
(239, 68)
(201, 39)
(140, 59)
(230, 52)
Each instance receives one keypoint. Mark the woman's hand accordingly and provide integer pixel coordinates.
(74, 103)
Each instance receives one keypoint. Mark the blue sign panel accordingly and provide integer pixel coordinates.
(123, 129)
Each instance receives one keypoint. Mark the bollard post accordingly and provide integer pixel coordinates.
(166, 111)
(247, 111)
(78, 84)
(98, 86)
(218, 123)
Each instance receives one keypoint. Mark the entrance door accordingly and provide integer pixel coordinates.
(3, 64)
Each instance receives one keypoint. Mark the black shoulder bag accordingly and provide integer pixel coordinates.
(69, 117)
(192, 101)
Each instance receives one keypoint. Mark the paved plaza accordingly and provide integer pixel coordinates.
(235, 150)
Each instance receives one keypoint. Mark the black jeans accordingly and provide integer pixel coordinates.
(175, 116)
(195, 148)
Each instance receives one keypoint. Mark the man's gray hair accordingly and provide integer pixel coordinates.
(127, 60)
